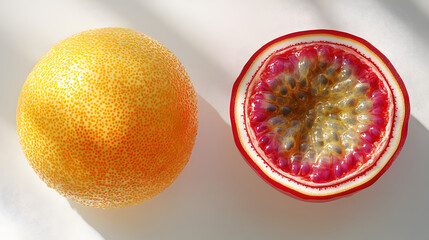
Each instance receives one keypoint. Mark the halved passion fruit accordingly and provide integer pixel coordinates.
(319, 114)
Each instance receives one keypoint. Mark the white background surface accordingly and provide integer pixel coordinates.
(218, 196)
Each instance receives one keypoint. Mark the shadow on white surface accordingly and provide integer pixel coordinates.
(412, 13)
(218, 196)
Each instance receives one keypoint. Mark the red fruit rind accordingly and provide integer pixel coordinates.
(387, 150)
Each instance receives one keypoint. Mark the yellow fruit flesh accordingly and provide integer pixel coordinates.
(108, 117)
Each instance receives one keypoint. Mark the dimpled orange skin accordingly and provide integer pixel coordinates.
(108, 117)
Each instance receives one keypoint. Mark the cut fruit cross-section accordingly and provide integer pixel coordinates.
(319, 114)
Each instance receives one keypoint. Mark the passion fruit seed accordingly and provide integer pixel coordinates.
(342, 113)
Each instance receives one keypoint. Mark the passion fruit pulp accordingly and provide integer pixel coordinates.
(319, 114)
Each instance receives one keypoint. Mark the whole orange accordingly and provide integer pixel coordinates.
(108, 117)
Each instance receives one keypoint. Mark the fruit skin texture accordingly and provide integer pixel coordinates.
(287, 184)
(108, 117)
